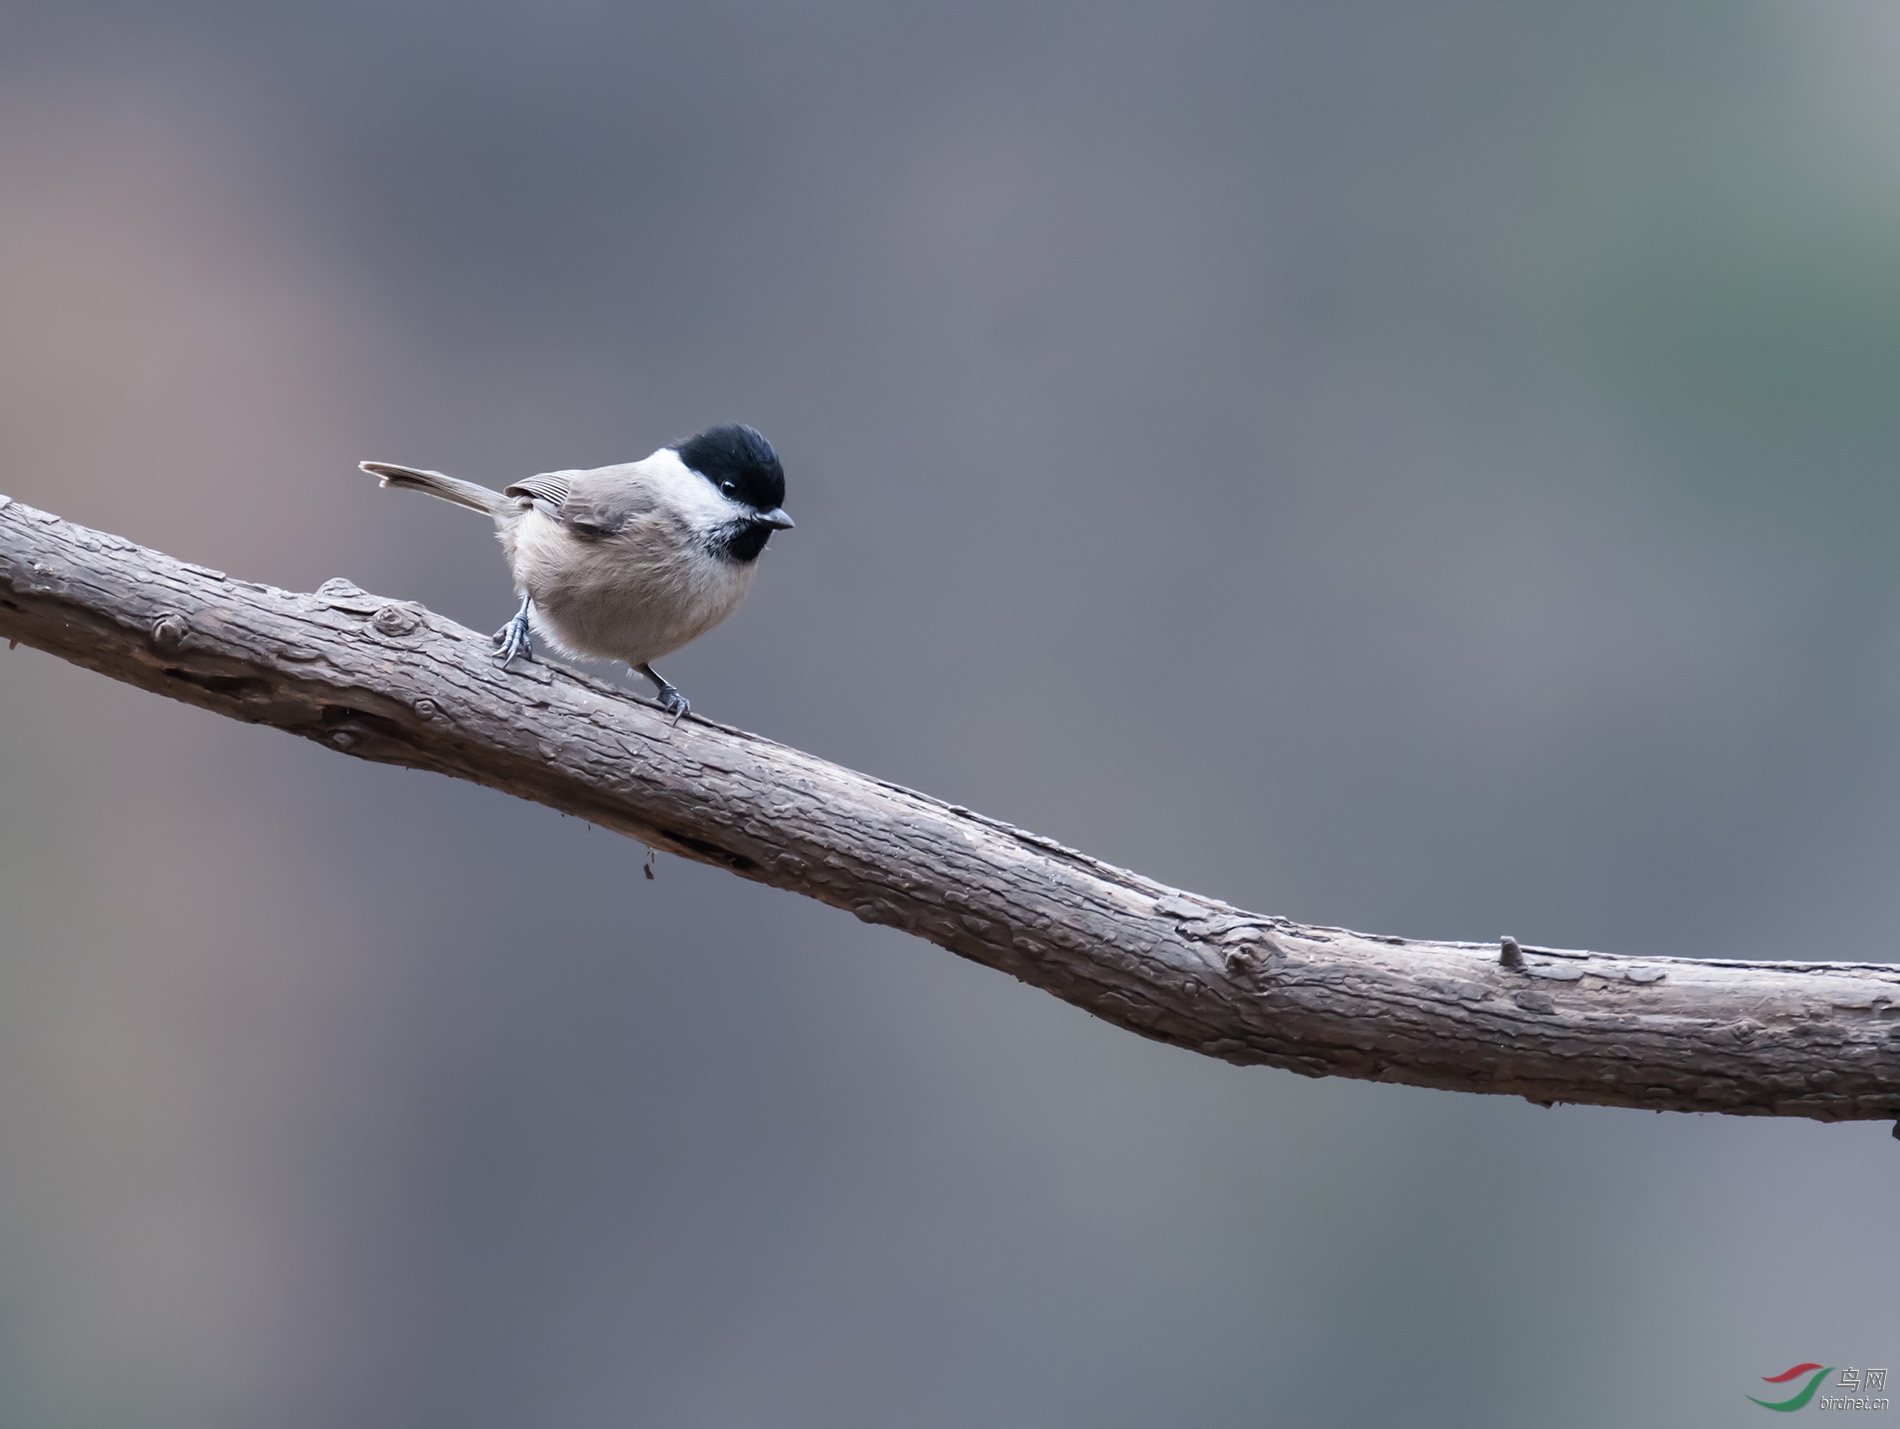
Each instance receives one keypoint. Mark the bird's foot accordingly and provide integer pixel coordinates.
(674, 703)
(513, 639)
(671, 700)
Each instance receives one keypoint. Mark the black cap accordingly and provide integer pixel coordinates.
(738, 461)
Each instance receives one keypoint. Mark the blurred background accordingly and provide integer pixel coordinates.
(1428, 468)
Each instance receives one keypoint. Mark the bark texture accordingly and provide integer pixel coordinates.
(389, 681)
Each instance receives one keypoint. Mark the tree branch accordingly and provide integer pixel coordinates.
(389, 681)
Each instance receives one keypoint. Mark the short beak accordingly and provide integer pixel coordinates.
(775, 518)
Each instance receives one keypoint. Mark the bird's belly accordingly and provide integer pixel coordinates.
(621, 600)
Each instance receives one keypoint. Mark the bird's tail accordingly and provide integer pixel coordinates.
(434, 483)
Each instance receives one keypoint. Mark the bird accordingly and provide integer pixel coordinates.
(628, 562)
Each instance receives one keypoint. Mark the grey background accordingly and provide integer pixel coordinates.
(1425, 467)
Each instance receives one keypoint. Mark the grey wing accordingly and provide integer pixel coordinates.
(596, 503)
(547, 493)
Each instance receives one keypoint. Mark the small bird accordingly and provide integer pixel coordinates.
(628, 562)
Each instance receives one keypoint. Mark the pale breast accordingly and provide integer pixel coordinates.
(634, 596)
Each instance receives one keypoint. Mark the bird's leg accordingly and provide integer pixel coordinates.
(671, 699)
(513, 637)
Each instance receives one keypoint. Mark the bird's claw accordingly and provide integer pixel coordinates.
(667, 693)
(513, 638)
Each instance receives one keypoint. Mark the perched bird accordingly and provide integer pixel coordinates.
(628, 562)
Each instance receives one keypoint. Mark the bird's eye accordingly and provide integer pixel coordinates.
(728, 488)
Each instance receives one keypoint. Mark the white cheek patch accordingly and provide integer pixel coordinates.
(703, 505)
